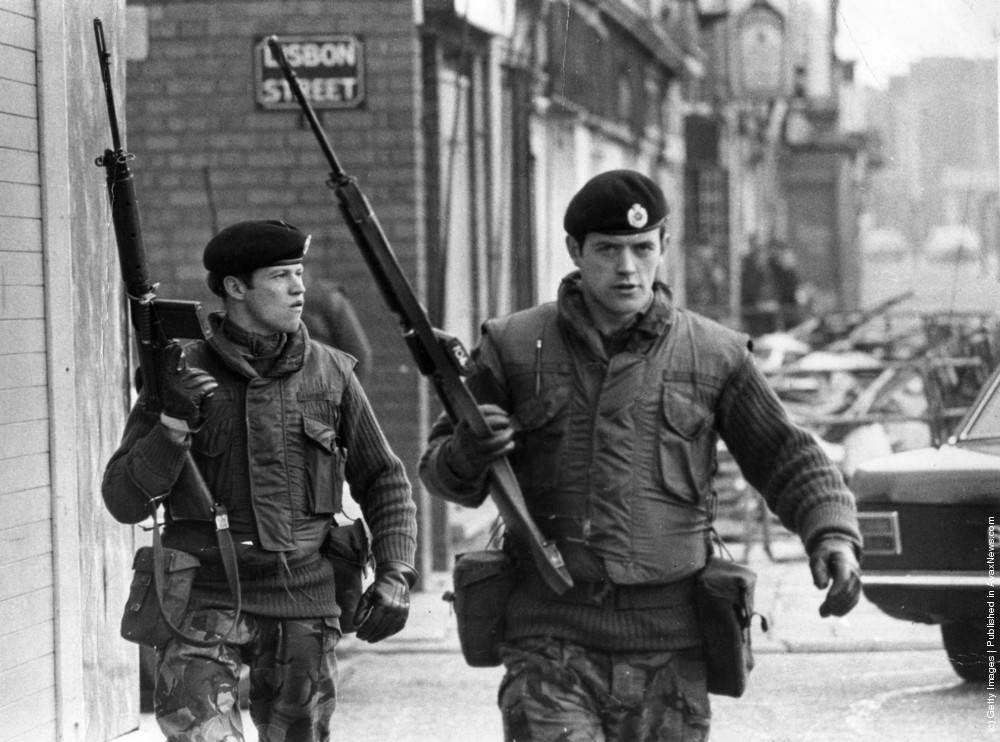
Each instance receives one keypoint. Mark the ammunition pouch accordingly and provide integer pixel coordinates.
(483, 581)
(348, 549)
(725, 592)
(145, 619)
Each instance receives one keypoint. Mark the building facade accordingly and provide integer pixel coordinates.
(941, 155)
(771, 158)
(64, 565)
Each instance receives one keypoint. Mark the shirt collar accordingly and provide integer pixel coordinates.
(251, 344)
(235, 346)
(650, 323)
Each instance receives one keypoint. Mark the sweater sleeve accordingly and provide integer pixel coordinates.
(378, 480)
(783, 461)
(143, 469)
(439, 477)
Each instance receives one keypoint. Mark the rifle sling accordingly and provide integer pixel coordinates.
(227, 552)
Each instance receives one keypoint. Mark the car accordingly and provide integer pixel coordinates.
(930, 521)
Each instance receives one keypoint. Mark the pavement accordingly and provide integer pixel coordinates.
(785, 598)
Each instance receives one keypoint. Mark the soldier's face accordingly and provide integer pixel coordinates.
(273, 303)
(618, 273)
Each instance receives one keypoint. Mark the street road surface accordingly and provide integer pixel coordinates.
(906, 696)
(863, 678)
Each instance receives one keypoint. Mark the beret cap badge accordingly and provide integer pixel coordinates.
(616, 202)
(637, 216)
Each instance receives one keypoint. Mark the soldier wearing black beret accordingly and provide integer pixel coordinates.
(276, 423)
(609, 403)
(244, 247)
(616, 202)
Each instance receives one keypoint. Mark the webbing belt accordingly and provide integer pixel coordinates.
(621, 597)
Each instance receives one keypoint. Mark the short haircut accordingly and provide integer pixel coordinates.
(216, 282)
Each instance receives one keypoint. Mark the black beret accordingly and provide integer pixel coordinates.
(616, 202)
(246, 246)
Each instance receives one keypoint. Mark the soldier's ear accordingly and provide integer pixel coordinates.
(574, 248)
(235, 287)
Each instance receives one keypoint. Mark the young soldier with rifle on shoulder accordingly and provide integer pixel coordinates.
(252, 430)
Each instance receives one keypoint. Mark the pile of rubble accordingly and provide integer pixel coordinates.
(866, 384)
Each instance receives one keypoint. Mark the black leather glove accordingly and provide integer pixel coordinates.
(468, 455)
(385, 605)
(184, 390)
(833, 558)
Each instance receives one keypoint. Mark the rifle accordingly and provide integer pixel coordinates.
(155, 320)
(157, 323)
(440, 360)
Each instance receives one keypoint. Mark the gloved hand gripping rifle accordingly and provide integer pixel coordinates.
(440, 361)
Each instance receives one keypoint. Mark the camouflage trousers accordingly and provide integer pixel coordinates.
(293, 672)
(557, 690)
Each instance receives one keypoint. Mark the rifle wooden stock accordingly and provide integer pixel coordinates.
(441, 365)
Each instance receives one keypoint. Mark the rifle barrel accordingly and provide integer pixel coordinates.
(336, 171)
(149, 337)
(423, 342)
(104, 57)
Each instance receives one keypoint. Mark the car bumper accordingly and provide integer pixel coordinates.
(929, 597)
(931, 580)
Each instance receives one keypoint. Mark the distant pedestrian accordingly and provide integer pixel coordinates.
(706, 278)
(610, 402)
(784, 269)
(758, 291)
(770, 288)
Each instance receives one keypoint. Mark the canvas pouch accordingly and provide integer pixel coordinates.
(482, 581)
(143, 619)
(724, 597)
(348, 548)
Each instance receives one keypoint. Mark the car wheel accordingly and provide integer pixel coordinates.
(965, 644)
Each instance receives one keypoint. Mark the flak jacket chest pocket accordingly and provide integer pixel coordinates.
(540, 399)
(681, 414)
(686, 440)
(324, 455)
(315, 456)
